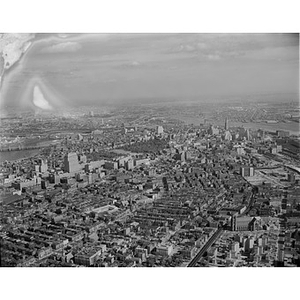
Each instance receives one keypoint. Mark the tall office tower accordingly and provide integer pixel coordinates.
(129, 165)
(42, 165)
(160, 129)
(213, 130)
(54, 178)
(43, 184)
(227, 136)
(235, 246)
(247, 171)
(233, 223)
(261, 134)
(280, 254)
(71, 163)
(240, 150)
(249, 244)
(182, 156)
(247, 135)
(226, 124)
(187, 155)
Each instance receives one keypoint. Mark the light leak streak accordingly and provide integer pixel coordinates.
(39, 99)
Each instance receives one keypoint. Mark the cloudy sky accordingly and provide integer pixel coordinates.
(93, 68)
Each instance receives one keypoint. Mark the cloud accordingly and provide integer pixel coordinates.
(135, 63)
(182, 48)
(130, 65)
(187, 48)
(65, 35)
(62, 48)
(39, 99)
(202, 46)
(230, 46)
(213, 57)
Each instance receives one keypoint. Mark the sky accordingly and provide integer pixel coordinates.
(70, 70)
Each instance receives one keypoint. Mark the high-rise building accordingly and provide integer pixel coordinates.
(235, 246)
(111, 165)
(71, 163)
(54, 178)
(187, 155)
(182, 156)
(280, 254)
(129, 165)
(43, 184)
(226, 124)
(213, 130)
(42, 166)
(291, 177)
(247, 135)
(261, 134)
(233, 223)
(249, 244)
(227, 136)
(238, 238)
(244, 134)
(247, 171)
(240, 151)
(160, 129)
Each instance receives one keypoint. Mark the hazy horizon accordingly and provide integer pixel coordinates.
(89, 69)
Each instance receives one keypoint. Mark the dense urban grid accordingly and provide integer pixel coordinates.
(138, 186)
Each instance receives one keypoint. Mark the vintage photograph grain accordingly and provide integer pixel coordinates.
(149, 150)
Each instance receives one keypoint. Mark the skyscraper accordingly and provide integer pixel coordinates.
(42, 163)
(226, 124)
(247, 135)
(160, 129)
(227, 136)
(249, 244)
(213, 130)
(247, 171)
(71, 162)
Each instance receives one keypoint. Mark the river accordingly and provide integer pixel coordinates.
(16, 155)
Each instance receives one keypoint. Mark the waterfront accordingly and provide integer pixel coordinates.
(292, 127)
(17, 155)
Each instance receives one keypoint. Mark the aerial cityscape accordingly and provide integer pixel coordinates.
(149, 150)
